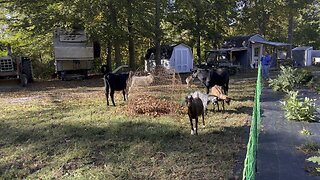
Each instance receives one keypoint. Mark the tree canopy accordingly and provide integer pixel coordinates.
(128, 27)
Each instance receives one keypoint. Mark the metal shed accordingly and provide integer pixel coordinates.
(302, 56)
(177, 57)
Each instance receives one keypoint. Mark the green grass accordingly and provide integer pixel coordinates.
(66, 131)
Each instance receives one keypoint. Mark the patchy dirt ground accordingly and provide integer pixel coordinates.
(53, 89)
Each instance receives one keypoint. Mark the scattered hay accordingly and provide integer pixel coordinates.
(148, 101)
(152, 106)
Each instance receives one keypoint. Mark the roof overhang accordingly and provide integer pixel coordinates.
(271, 43)
(228, 49)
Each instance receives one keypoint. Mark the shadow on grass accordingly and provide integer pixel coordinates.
(47, 85)
(134, 145)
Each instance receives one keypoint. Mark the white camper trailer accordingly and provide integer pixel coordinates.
(73, 53)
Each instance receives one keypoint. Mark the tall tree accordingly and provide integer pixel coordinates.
(290, 27)
(116, 42)
(157, 32)
(131, 46)
(307, 28)
(198, 29)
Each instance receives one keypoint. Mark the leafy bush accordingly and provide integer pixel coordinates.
(289, 78)
(315, 83)
(297, 108)
(304, 76)
(305, 131)
(316, 160)
(43, 70)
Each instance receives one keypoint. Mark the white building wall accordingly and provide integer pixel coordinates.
(181, 60)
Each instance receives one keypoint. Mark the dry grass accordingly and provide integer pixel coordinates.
(64, 130)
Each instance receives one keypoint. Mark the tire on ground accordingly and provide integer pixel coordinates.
(23, 80)
(27, 69)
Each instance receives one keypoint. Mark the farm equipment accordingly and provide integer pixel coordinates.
(220, 59)
(16, 68)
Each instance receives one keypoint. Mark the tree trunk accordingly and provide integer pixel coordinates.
(290, 28)
(109, 54)
(117, 53)
(116, 43)
(131, 47)
(198, 35)
(290, 34)
(157, 34)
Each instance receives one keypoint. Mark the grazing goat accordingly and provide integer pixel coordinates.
(141, 80)
(115, 82)
(137, 81)
(189, 80)
(195, 109)
(205, 98)
(217, 92)
(212, 77)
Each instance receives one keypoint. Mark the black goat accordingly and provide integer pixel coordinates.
(115, 82)
(212, 77)
(195, 109)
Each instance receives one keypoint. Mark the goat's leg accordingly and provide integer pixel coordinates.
(196, 126)
(107, 95)
(124, 94)
(203, 125)
(192, 130)
(223, 105)
(226, 89)
(112, 97)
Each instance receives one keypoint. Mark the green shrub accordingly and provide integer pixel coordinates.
(289, 78)
(305, 131)
(316, 160)
(297, 108)
(304, 76)
(315, 83)
(43, 70)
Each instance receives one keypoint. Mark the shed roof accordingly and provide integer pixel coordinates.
(241, 41)
(302, 48)
(166, 51)
(272, 43)
(228, 49)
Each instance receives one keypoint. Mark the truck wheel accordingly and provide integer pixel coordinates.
(23, 80)
(27, 69)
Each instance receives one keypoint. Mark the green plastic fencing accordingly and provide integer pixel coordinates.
(250, 163)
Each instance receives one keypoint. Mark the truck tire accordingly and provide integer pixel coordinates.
(23, 80)
(27, 69)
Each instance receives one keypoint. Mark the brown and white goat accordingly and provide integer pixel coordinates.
(195, 109)
(189, 80)
(217, 91)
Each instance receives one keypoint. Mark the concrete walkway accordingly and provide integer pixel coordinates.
(278, 156)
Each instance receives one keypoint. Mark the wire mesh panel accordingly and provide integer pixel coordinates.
(250, 164)
(155, 98)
